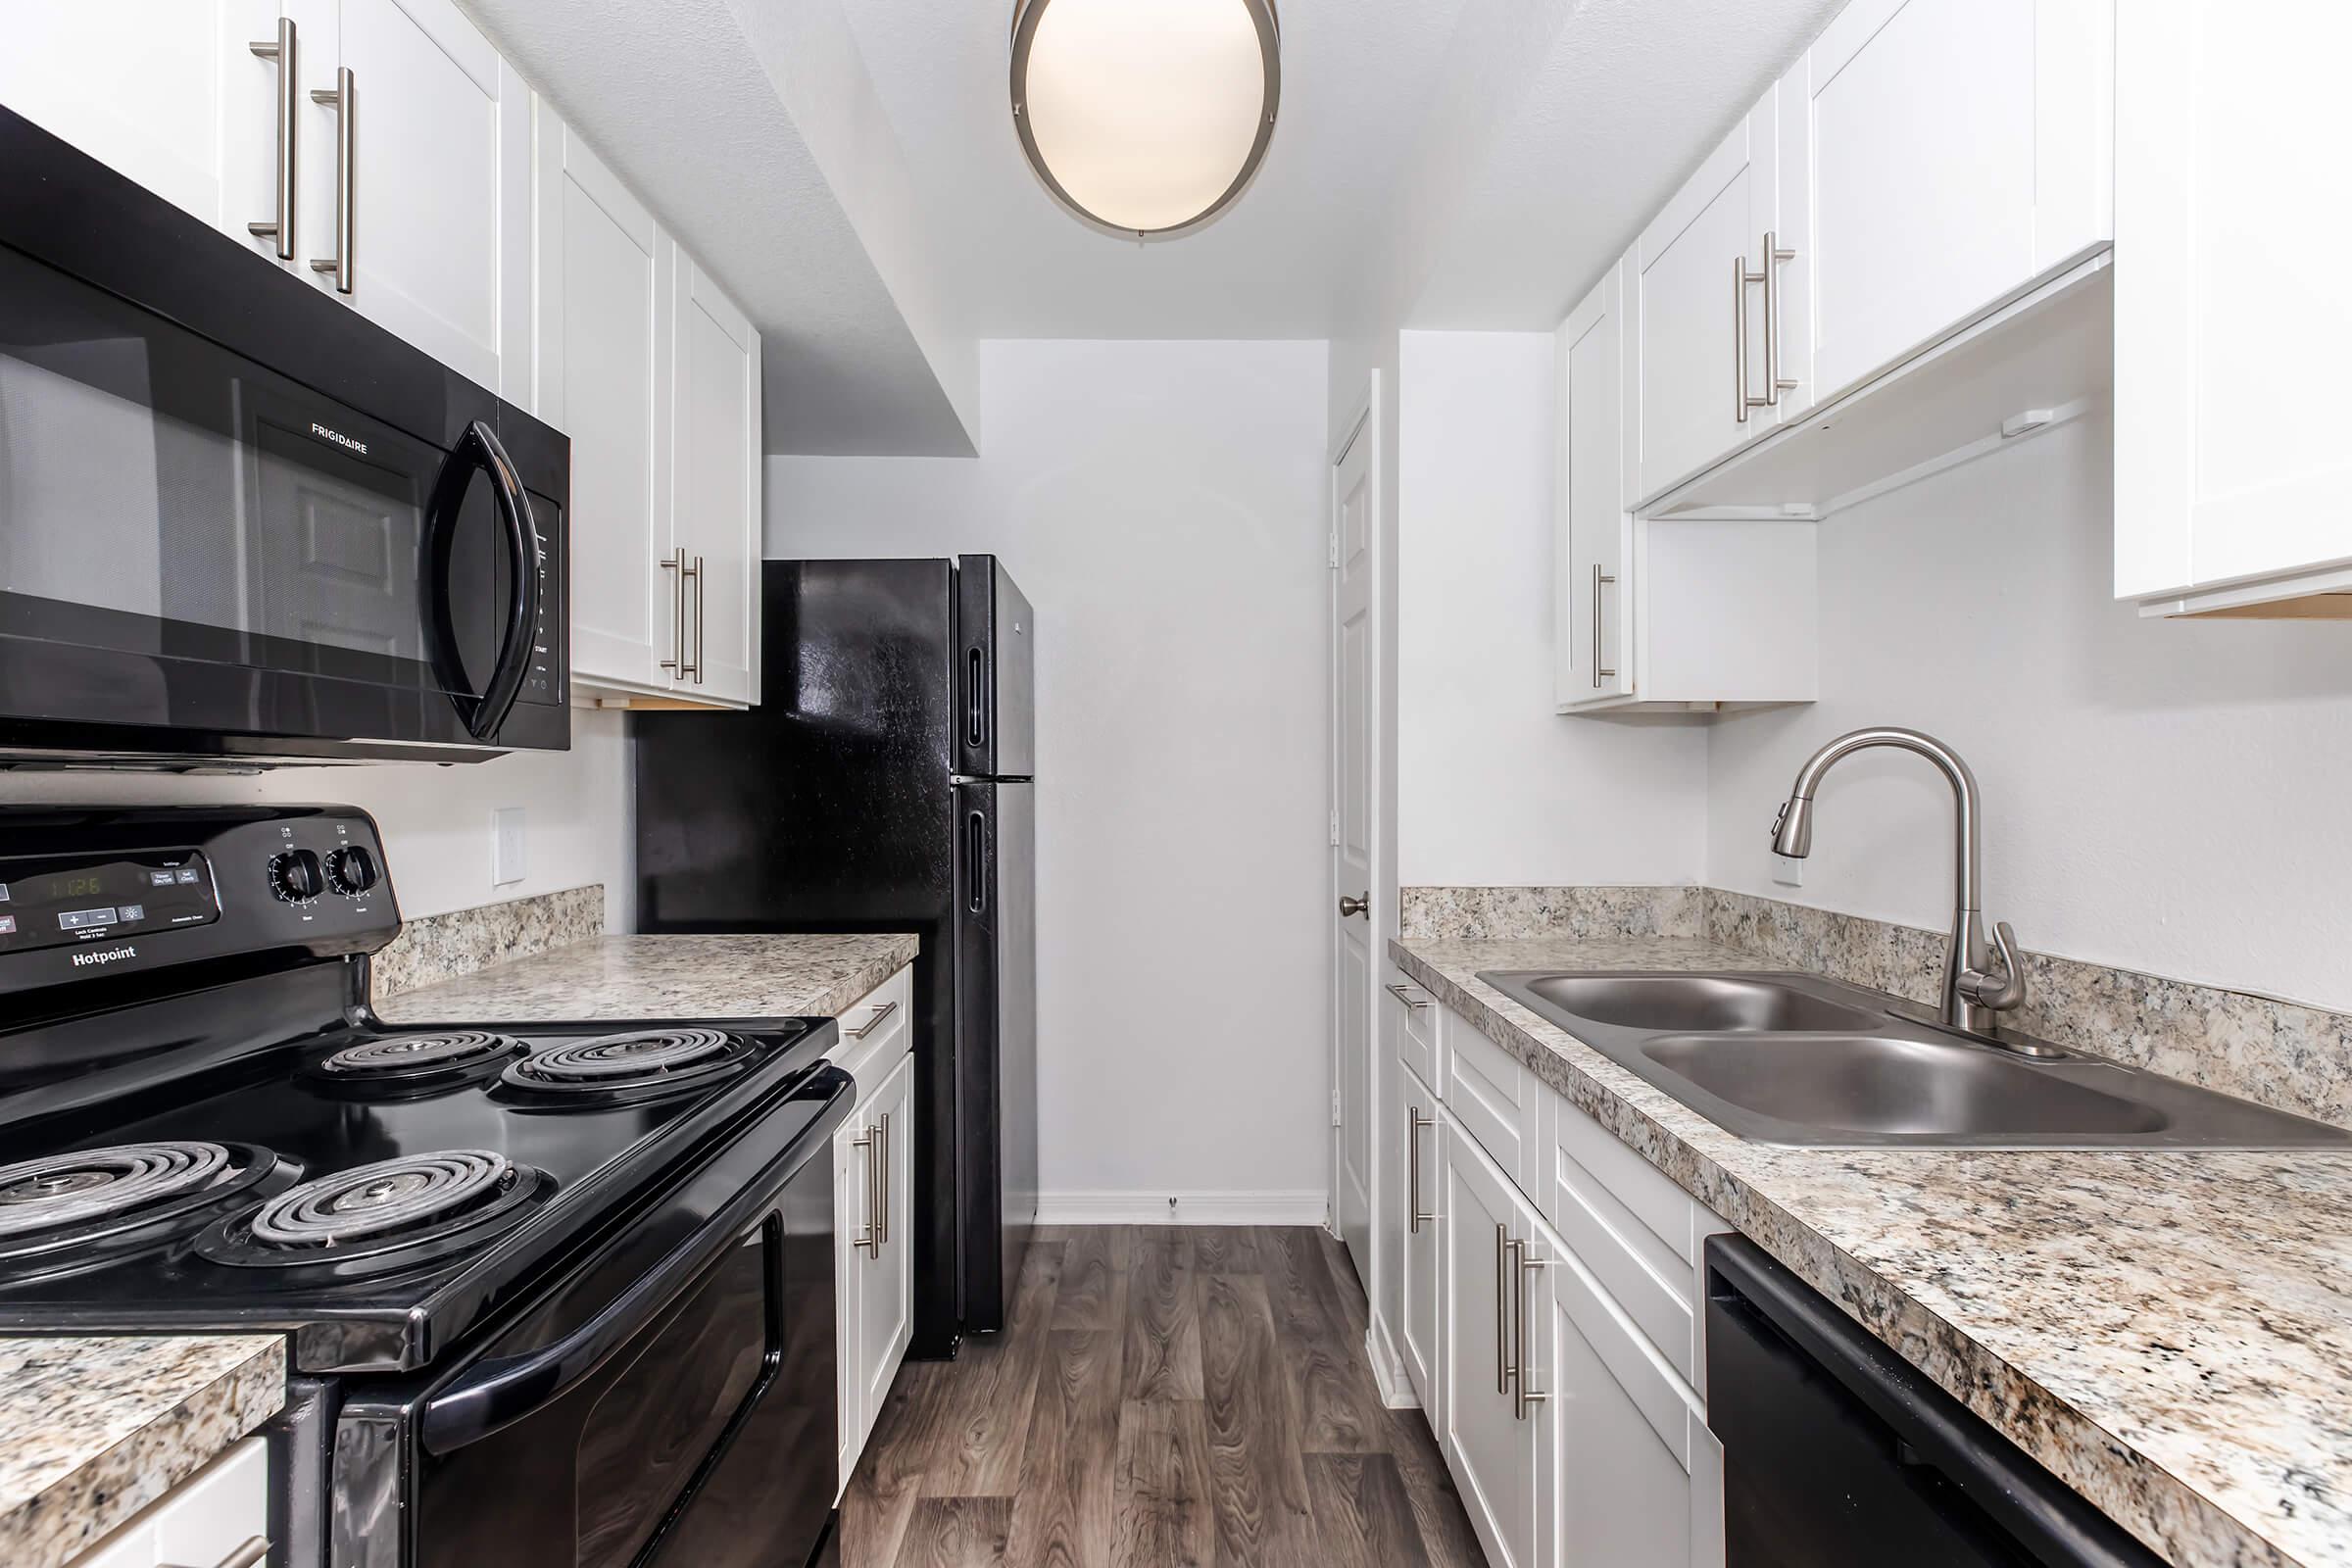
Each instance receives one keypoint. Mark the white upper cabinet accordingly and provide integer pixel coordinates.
(1959, 153)
(185, 107)
(654, 373)
(2231, 314)
(717, 489)
(1594, 533)
(417, 200)
(604, 366)
(1705, 335)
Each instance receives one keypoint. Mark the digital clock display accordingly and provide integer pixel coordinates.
(57, 902)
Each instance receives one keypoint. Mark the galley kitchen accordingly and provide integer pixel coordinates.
(1130, 783)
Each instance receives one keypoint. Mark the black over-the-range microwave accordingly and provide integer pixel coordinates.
(239, 522)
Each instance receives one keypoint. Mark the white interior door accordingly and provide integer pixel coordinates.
(1354, 554)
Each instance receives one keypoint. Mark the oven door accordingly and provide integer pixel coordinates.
(688, 1420)
(239, 520)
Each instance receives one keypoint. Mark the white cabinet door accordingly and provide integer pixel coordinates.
(603, 378)
(717, 488)
(886, 1295)
(1630, 1472)
(165, 91)
(439, 195)
(1592, 654)
(2231, 311)
(1489, 1442)
(1696, 393)
(1960, 151)
(1421, 1251)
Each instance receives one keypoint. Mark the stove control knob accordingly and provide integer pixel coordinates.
(351, 871)
(294, 877)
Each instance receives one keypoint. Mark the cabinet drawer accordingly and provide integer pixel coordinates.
(1496, 1098)
(1635, 1231)
(223, 1508)
(876, 1031)
(1418, 1034)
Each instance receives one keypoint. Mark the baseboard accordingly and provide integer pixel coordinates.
(1161, 1207)
(1388, 1369)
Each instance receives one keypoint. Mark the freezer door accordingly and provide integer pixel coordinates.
(995, 1011)
(996, 734)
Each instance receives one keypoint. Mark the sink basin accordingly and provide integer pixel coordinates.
(1884, 1085)
(1697, 1003)
(1798, 1060)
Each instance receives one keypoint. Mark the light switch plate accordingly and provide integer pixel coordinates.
(508, 863)
(1788, 870)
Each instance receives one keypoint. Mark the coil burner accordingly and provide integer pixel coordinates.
(625, 1068)
(389, 1214)
(397, 1063)
(76, 1210)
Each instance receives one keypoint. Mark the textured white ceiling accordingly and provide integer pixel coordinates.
(848, 169)
(1357, 77)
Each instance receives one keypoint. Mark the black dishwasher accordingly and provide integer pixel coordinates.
(1839, 1451)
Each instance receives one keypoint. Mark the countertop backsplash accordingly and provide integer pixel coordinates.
(2280, 1053)
(442, 947)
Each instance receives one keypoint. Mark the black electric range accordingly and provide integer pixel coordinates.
(555, 1294)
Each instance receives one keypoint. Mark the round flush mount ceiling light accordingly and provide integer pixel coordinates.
(1146, 116)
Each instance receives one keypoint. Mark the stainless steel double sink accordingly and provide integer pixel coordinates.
(1798, 1060)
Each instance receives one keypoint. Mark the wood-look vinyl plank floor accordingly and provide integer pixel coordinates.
(1166, 1396)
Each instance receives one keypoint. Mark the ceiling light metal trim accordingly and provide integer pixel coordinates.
(1026, 16)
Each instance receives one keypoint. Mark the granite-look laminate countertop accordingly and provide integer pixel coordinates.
(97, 1429)
(2168, 1333)
(667, 977)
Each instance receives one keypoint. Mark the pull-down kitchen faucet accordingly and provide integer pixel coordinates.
(1972, 998)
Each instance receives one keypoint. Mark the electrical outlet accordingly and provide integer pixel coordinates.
(507, 859)
(1788, 870)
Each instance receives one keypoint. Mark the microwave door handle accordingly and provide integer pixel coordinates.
(496, 1393)
(478, 448)
(522, 608)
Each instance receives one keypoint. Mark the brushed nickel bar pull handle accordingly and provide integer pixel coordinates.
(1739, 400)
(676, 663)
(882, 1209)
(1513, 1250)
(1502, 1357)
(695, 572)
(346, 156)
(1414, 1123)
(1599, 579)
(1526, 1397)
(873, 1021)
(289, 107)
(1404, 993)
(245, 1554)
(869, 1240)
(1774, 383)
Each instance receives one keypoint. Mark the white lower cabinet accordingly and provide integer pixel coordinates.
(1424, 1168)
(1553, 1339)
(1488, 1433)
(873, 1210)
(1630, 1472)
(219, 1515)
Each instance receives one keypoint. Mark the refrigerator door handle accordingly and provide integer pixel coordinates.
(975, 860)
(975, 711)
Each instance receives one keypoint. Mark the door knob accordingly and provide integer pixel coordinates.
(1355, 905)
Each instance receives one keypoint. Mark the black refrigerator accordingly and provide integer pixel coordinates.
(884, 783)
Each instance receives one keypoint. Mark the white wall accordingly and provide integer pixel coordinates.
(2164, 796)
(1493, 786)
(436, 820)
(1162, 505)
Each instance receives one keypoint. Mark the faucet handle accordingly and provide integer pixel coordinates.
(1979, 986)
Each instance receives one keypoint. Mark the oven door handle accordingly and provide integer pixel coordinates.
(496, 1393)
(478, 449)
